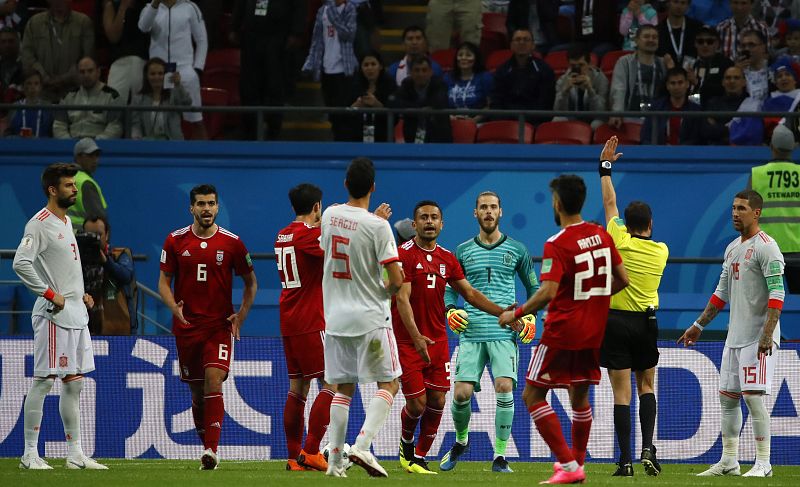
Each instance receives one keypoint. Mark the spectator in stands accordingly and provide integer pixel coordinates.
(414, 42)
(707, 71)
(540, 16)
(675, 130)
(595, 23)
(173, 26)
(469, 84)
(639, 77)
(372, 88)
(582, 88)
(90, 202)
(158, 125)
(785, 79)
(714, 130)
(129, 46)
(53, 43)
(10, 65)
(212, 11)
(13, 14)
(331, 58)
(114, 311)
(754, 61)
(448, 16)
(677, 33)
(270, 38)
(635, 15)
(792, 40)
(367, 37)
(524, 82)
(731, 30)
(98, 124)
(27, 122)
(773, 13)
(423, 89)
(710, 12)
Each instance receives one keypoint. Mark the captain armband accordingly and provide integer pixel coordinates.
(775, 283)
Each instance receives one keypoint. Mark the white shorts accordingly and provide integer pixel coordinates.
(363, 359)
(191, 83)
(125, 76)
(743, 370)
(60, 351)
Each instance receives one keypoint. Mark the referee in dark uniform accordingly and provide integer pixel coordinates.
(632, 331)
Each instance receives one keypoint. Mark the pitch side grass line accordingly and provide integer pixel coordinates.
(179, 473)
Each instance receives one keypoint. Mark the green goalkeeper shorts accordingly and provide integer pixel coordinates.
(501, 355)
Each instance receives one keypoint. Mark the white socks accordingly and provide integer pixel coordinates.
(337, 427)
(760, 417)
(377, 412)
(69, 407)
(34, 405)
(731, 425)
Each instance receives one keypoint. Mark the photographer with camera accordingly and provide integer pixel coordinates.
(753, 58)
(582, 88)
(109, 278)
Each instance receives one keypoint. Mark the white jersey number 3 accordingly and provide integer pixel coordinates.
(599, 269)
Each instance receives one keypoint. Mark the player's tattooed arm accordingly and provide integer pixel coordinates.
(765, 342)
(708, 314)
(692, 334)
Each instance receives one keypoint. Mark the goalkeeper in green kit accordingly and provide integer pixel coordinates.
(490, 261)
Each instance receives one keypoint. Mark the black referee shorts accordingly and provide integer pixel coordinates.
(630, 341)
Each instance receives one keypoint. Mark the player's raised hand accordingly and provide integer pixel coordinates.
(383, 211)
(178, 312)
(690, 336)
(88, 300)
(421, 343)
(236, 325)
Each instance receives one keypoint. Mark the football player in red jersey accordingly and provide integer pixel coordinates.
(581, 269)
(300, 258)
(418, 319)
(202, 258)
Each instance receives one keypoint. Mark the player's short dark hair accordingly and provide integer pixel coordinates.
(579, 50)
(753, 198)
(414, 28)
(303, 197)
(54, 172)
(643, 28)
(203, 189)
(638, 216)
(97, 218)
(360, 177)
(426, 203)
(571, 191)
(488, 193)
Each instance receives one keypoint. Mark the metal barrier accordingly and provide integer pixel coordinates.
(392, 113)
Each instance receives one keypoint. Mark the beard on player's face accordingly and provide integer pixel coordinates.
(66, 201)
(557, 217)
(489, 226)
(203, 220)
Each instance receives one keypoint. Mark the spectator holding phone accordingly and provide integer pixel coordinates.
(752, 57)
(178, 35)
(731, 30)
(582, 88)
(158, 125)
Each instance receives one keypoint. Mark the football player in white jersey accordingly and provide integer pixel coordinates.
(752, 281)
(48, 262)
(359, 342)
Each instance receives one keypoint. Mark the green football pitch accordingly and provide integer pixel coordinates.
(174, 473)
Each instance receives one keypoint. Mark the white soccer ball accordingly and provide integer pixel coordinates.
(345, 452)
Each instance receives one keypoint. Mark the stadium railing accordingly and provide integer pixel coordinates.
(392, 114)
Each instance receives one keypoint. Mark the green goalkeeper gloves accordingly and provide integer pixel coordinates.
(457, 320)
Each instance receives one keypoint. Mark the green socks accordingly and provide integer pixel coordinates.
(461, 412)
(503, 417)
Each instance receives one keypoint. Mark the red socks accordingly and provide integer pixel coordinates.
(318, 420)
(197, 414)
(427, 430)
(549, 427)
(214, 413)
(581, 426)
(293, 423)
(408, 424)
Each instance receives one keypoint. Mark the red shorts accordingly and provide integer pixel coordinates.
(199, 351)
(305, 355)
(419, 376)
(552, 368)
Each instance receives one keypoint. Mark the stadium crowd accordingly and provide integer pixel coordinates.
(554, 55)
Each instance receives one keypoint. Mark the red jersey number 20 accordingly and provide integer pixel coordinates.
(287, 266)
(599, 265)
